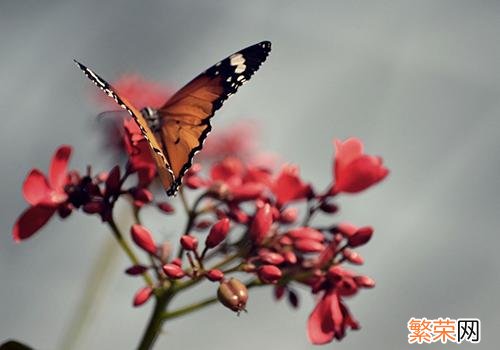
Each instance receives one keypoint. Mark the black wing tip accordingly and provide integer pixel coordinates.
(79, 65)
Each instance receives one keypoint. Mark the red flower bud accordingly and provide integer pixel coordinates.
(194, 182)
(203, 225)
(328, 208)
(261, 223)
(189, 242)
(93, 207)
(173, 271)
(361, 237)
(279, 291)
(177, 261)
(136, 270)
(113, 181)
(271, 257)
(166, 207)
(142, 196)
(306, 233)
(364, 281)
(233, 294)
(293, 299)
(353, 257)
(346, 229)
(64, 210)
(269, 273)
(142, 296)
(247, 191)
(163, 251)
(143, 238)
(215, 275)
(289, 215)
(217, 233)
(290, 257)
(308, 246)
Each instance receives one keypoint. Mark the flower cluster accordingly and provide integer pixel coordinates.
(248, 225)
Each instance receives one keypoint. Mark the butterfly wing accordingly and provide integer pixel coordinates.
(165, 172)
(185, 118)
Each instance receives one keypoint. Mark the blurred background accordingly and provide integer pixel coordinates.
(417, 81)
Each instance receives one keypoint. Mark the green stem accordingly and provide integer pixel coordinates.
(130, 253)
(155, 322)
(201, 304)
(188, 309)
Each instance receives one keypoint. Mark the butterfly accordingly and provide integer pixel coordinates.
(176, 131)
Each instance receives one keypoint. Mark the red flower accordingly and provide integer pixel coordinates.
(44, 195)
(139, 153)
(237, 183)
(288, 186)
(355, 171)
(141, 92)
(329, 319)
(238, 140)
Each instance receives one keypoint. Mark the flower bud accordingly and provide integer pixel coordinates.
(189, 242)
(289, 215)
(142, 296)
(166, 207)
(142, 196)
(290, 257)
(203, 225)
(217, 233)
(143, 238)
(361, 236)
(328, 208)
(261, 223)
(177, 261)
(64, 210)
(279, 291)
(113, 181)
(364, 281)
(93, 207)
(308, 245)
(173, 271)
(271, 258)
(353, 256)
(293, 299)
(136, 270)
(215, 275)
(269, 273)
(194, 182)
(163, 251)
(233, 294)
(306, 233)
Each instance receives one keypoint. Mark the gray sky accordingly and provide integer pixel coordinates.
(417, 81)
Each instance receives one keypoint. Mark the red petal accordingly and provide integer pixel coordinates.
(230, 167)
(289, 186)
(59, 167)
(320, 324)
(31, 221)
(36, 188)
(346, 152)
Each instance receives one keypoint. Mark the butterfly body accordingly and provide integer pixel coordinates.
(176, 131)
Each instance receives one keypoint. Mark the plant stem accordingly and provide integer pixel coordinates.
(130, 253)
(155, 322)
(187, 309)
